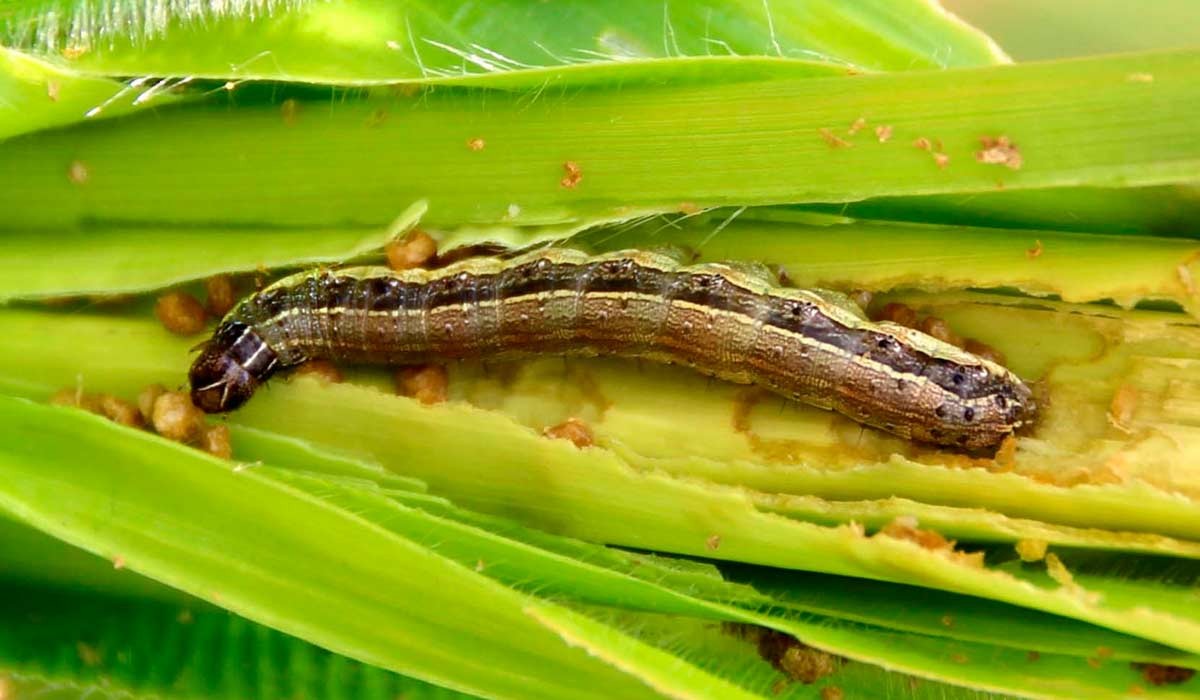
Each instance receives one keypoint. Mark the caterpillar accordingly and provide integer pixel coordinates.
(812, 346)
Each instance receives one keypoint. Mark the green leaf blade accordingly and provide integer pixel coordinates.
(251, 553)
(337, 164)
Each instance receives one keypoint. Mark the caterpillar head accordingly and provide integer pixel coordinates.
(230, 368)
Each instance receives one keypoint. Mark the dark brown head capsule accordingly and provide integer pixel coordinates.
(232, 365)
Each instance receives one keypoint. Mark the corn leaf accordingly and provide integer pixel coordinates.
(61, 644)
(314, 571)
(509, 560)
(373, 41)
(316, 162)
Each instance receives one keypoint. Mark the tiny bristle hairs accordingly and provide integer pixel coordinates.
(730, 322)
(99, 24)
